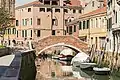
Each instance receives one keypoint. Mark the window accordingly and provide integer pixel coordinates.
(22, 33)
(91, 23)
(29, 9)
(65, 10)
(25, 33)
(69, 20)
(83, 24)
(116, 17)
(14, 31)
(66, 21)
(54, 3)
(96, 22)
(53, 32)
(38, 21)
(80, 27)
(57, 10)
(47, 2)
(80, 11)
(88, 24)
(38, 33)
(67, 29)
(17, 33)
(74, 28)
(17, 23)
(74, 11)
(9, 31)
(70, 30)
(49, 10)
(54, 22)
(31, 21)
(23, 22)
(42, 10)
(31, 33)
(93, 3)
(109, 23)
(96, 42)
(41, 1)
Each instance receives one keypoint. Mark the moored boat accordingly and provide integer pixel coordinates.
(101, 71)
(66, 55)
(82, 60)
(87, 65)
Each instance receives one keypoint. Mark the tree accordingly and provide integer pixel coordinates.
(4, 21)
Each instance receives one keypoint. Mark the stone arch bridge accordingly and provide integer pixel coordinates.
(68, 41)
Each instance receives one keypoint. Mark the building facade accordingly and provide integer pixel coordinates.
(43, 18)
(90, 27)
(10, 32)
(113, 11)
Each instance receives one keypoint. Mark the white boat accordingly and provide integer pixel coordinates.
(87, 65)
(102, 71)
(66, 54)
(82, 60)
(63, 58)
(55, 57)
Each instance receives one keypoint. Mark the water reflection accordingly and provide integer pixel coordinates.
(62, 70)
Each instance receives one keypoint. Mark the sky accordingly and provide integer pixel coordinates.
(20, 2)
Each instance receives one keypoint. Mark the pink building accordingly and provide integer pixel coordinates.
(36, 20)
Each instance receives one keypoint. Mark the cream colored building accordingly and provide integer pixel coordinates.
(36, 20)
(90, 27)
(113, 16)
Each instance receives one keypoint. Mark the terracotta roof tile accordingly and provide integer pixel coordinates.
(75, 2)
(100, 10)
(32, 3)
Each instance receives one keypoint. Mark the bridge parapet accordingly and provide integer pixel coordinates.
(69, 41)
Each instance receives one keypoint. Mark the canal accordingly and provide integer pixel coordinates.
(51, 69)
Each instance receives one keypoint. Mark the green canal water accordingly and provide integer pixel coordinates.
(86, 74)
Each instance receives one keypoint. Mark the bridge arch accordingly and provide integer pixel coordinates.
(68, 41)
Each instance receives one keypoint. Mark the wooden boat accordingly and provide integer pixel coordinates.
(87, 65)
(101, 71)
(82, 60)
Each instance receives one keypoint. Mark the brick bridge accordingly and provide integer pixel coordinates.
(68, 41)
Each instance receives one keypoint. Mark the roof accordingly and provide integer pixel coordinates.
(95, 12)
(72, 3)
(75, 2)
(32, 3)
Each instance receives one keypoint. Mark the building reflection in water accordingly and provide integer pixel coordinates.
(63, 70)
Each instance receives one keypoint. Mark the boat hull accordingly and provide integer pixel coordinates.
(66, 58)
(102, 71)
(83, 65)
(87, 65)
